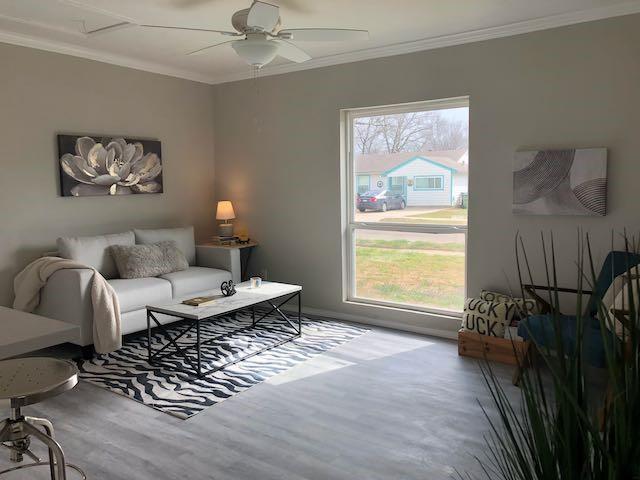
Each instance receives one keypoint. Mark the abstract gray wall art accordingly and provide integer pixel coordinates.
(91, 166)
(560, 182)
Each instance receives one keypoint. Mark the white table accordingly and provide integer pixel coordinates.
(246, 297)
(22, 332)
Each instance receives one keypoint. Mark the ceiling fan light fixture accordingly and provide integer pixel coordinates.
(257, 52)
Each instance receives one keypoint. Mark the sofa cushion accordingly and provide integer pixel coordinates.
(183, 237)
(94, 251)
(196, 280)
(136, 293)
(140, 261)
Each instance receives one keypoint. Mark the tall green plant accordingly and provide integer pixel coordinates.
(564, 428)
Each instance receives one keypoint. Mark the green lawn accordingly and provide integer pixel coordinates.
(411, 245)
(446, 216)
(404, 274)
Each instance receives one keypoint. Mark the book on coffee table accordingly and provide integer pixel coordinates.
(202, 301)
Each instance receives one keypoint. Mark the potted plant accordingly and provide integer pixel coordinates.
(565, 427)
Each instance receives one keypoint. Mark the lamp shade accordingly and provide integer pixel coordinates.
(225, 210)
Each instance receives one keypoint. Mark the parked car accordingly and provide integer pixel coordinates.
(380, 200)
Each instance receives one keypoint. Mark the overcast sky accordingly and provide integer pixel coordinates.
(456, 114)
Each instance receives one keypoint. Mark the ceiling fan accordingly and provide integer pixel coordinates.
(263, 40)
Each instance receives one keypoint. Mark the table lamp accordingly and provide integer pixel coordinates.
(225, 212)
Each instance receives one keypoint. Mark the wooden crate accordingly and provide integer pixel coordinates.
(496, 349)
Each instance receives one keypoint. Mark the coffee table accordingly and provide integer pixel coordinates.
(271, 294)
(25, 332)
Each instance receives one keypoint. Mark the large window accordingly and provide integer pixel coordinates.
(405, 233)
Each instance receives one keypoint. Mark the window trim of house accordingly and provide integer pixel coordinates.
(427, 189)
(368, 182)
(348, 223)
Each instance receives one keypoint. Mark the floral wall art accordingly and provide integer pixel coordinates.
(91, 166)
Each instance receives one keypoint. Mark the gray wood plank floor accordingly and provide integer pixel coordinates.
(387, 405)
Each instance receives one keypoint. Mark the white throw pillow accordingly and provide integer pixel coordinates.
(487, 318)
(617, 297)
(526, 306)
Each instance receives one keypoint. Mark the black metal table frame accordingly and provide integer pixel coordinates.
(156, 357)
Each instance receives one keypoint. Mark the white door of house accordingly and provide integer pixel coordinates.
(398, 185)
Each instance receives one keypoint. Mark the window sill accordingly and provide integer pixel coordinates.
(448, 314)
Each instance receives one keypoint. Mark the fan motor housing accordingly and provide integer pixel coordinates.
(239, 21)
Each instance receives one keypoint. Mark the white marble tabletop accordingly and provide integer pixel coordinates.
(245, 297)
(22, 332)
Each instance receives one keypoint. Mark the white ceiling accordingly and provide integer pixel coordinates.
(396, 26)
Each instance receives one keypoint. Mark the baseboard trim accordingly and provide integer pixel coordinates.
(432, 332)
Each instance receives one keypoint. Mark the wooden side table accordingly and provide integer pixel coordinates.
(245, 254)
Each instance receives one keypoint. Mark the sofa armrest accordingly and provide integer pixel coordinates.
(223, 258)
(67, 297)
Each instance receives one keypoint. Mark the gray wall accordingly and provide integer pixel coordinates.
(43, 94)
(278, 153)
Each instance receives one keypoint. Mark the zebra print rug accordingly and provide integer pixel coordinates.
(127, 372)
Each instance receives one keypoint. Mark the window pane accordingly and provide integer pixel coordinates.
(418, 269)
(409, 169)
(420, 155)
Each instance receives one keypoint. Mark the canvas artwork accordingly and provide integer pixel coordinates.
(91, 166)
(560, 182)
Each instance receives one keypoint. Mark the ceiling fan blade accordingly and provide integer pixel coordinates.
(324, 34)
(291, 52)
(109, 29)
(193, 29)
(100, 11)
(200, 51)
(263, 16)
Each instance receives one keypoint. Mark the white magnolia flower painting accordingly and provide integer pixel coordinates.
(91, 166)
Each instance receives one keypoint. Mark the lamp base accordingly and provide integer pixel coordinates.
(226, 229)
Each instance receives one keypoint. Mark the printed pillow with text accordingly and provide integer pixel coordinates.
(487, 318)
(526, 306)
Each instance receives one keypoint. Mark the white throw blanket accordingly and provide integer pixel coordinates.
(107, 335)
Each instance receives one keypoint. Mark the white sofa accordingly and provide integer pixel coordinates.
(67, 294)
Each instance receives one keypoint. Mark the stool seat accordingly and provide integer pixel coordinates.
(25, 381)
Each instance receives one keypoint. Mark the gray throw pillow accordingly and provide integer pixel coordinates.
(184, 238)
(141, 261)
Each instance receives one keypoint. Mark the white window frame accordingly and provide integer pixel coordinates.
(349, 224)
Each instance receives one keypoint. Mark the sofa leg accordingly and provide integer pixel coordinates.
(88, 352)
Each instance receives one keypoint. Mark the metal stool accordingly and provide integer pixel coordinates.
(25, 381)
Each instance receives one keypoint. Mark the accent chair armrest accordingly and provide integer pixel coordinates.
(223, 258)
(546, 306)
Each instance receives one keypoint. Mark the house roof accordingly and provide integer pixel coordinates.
(383, 162)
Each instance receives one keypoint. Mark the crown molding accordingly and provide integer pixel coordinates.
(518, 28)
(100, 56)
(508, 30)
